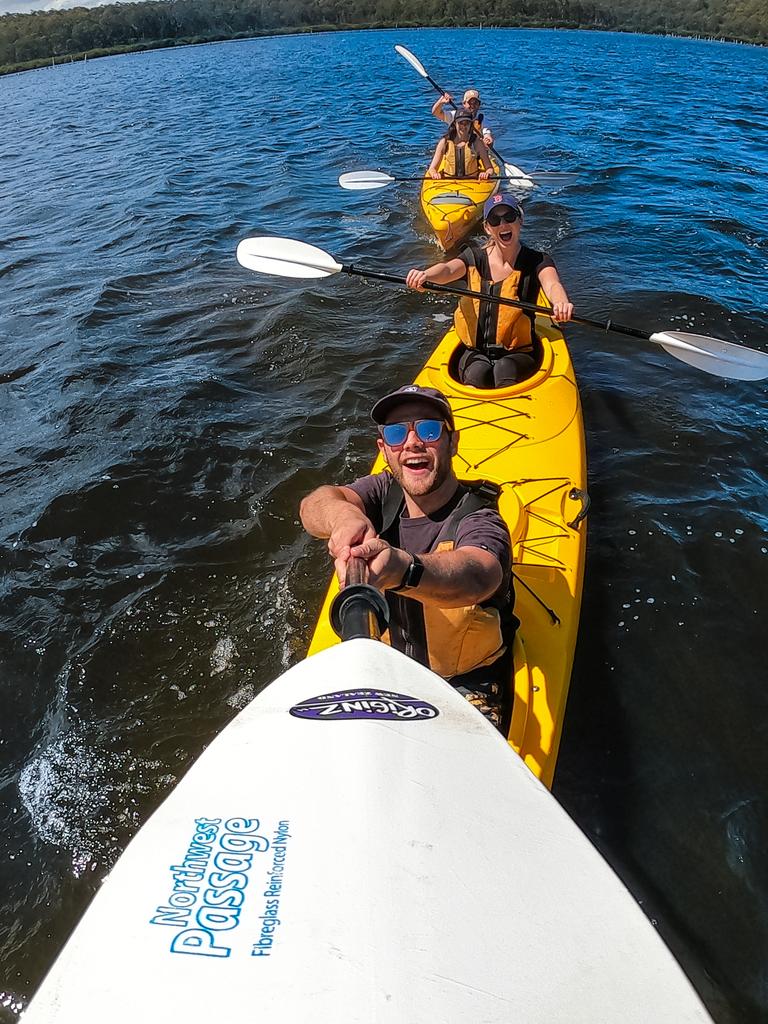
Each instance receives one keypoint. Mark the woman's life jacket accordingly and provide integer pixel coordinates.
(482, 324)
(461, 161)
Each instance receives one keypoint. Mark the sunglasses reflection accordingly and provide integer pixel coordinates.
(394, 435)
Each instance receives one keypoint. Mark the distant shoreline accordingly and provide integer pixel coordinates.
(168, 44)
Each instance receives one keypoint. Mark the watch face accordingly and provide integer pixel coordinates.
(414, 574)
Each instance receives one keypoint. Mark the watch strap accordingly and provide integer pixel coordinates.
(412, 576)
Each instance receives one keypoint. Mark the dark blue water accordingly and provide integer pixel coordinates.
(162, 412)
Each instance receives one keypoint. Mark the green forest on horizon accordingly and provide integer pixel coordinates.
(36, 39)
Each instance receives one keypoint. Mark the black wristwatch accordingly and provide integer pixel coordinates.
(412, 576)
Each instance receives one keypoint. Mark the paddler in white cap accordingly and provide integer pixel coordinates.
(443, 111)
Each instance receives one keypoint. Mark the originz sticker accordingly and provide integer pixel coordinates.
(356, 704)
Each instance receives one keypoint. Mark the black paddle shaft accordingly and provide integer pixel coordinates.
(453, 177)
(359, 611)
(441, 91)
(603, 325)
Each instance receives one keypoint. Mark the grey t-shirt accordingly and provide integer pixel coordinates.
(483, 528)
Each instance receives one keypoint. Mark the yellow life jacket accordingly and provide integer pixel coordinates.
(450, 641)
(513, 326)
(460, 161)
(460, 640)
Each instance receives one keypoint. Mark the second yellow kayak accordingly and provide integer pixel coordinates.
(529, 439)
(453, 206)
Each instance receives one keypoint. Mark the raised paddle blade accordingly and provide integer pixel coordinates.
(285, 257)
(413, 61)
(356, 180)
(721, 358)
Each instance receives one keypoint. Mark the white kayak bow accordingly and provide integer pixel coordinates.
(361, 844)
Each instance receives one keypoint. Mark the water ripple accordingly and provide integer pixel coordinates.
(164, 411)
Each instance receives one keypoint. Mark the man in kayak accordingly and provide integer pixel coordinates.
(499, 341)
(438, 548)
(471, 104)
(461, 153)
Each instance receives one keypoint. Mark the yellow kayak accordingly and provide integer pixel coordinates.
(453, 206)
(528, 438)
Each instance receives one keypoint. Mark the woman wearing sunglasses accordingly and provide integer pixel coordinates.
(499, 340)
(461, 152)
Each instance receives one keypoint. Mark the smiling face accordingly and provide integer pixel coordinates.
(463, 126)
(420, 467)
(500, 226)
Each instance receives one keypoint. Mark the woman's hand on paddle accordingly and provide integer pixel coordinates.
(415, 279)
(386, 565)
(562, 312)
(433, 173)
(484, 175)
(562, 307)
(438, 273)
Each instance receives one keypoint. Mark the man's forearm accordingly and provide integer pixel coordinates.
(453, 579)
(437, 111)
(321, 511)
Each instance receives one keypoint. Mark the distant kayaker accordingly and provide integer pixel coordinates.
(471, 103)
(438, 548)
(461, 152)
(499, 340)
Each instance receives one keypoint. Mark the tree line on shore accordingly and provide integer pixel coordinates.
(31, 40)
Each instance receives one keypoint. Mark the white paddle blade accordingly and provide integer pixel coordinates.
(517, 177)
(285, 257)
(356, 180)
(413, 61)
(554, 177)
(721, 358)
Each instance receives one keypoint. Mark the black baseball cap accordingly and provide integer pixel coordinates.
(436, 398)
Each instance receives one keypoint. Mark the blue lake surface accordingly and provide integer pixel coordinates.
(163, 411)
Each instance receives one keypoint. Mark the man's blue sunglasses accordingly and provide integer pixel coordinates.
(395, 435)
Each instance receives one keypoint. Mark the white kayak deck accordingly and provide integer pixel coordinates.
(378, 860)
